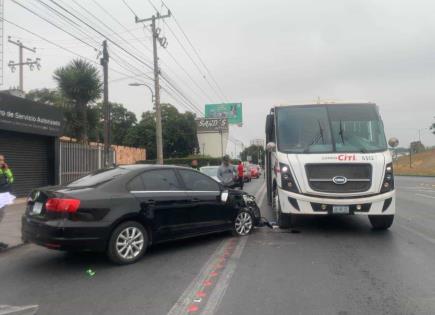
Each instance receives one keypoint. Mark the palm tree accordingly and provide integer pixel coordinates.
(79, 82)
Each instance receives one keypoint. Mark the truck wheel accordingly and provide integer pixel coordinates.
(284, 220)
(381, 222)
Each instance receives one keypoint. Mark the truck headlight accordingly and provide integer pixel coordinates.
(388, 182)
(287, 181)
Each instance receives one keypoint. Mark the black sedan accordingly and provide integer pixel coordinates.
(123, 210)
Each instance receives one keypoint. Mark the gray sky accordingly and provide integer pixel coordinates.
(261, 53)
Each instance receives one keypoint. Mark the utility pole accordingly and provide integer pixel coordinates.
(104, 61)
(163, 43)
(21, 62)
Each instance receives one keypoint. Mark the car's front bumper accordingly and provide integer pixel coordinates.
(382, 204)
(54, 235)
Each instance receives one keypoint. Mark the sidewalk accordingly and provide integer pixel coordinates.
(10, 227)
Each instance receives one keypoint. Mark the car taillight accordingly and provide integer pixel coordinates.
(62, 205)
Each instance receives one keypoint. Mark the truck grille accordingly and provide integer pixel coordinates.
(339, 178)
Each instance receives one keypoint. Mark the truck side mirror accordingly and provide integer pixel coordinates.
(393, 142)
(271, 146)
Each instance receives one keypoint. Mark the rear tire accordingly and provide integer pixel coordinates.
(381, 222)
(128, 243)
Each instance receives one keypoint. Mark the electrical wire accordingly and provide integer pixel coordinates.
(195, 51)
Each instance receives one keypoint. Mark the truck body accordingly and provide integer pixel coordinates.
(328, 159)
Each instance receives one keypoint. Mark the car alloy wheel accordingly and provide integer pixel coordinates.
(243, 224)
(129, 243)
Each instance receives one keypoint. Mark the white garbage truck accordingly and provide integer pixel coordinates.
(329, 159)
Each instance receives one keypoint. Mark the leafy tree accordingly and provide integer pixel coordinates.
(80, 83)
(121, 121)
(71, 120)
(179, 133)
(254, 151)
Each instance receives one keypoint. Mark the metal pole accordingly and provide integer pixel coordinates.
(222, 143)
(159, 138)
(410, 157)
(105, 63)
(21, 66)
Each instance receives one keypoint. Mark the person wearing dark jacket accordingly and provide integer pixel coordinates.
(6, 198)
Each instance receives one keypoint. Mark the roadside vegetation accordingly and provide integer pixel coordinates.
(422, 164)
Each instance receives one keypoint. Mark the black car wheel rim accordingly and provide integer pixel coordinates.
(243, 223)
(129, 243)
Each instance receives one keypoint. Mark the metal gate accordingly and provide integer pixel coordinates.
(77, 160)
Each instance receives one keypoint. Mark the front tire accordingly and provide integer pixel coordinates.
(127, 243)
(284, 220)
(381, 222)
(243, 223)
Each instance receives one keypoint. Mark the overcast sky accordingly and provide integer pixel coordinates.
(261, 53)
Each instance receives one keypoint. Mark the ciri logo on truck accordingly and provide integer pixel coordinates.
(340, 157)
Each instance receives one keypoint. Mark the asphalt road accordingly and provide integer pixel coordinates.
(329, 265)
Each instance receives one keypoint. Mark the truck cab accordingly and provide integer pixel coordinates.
(329, 159)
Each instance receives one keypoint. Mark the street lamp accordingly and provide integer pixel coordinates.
(146, 85)
(159, 141)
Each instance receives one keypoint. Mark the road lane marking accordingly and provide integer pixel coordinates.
(21, 310)
(426, 196)
(219, 290)
(207, 289)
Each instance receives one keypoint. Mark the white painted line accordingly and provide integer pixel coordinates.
(18, 310)
(426, 196)
(186, 298)
(222, 285)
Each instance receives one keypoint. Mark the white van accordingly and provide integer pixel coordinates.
(327, 159)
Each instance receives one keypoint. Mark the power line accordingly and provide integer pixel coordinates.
(56, 45)
(131, 10)
(106, 26)
(97, 31)
(186, 52)
(196, 52)
(58, 27)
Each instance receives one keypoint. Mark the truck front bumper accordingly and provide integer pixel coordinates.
(382, 204)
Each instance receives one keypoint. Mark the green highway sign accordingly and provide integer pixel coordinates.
(232, 111)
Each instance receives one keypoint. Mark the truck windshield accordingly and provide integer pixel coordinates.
(329, 128)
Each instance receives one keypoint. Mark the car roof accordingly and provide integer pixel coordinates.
(140, 167)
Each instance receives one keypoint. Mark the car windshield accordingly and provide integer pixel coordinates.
(330, 128)
(98, 177)
(210, 171)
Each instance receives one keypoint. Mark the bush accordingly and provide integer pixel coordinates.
(187, 161)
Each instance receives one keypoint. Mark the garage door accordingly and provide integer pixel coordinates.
(29, 158)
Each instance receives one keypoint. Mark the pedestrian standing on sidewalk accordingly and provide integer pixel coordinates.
(240, 174)
(6, 198)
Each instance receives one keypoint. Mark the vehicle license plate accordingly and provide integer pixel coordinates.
(340, 209)
(37, 208)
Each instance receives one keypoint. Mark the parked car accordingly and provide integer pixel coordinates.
(254, 171)
(123, 210)
(247, 173)
(210, 171)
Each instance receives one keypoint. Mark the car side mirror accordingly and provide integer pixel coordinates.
(271, 146)
(224, 196)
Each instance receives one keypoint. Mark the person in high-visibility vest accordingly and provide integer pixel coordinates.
(6, 198)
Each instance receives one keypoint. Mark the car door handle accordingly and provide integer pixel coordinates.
(196, 200)
(150, 202)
